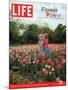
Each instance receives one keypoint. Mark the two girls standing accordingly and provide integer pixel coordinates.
(43, 43)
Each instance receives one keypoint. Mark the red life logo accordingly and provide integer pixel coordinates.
(22, 10)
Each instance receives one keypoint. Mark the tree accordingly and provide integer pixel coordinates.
(30, 37)
(13, 32)
(60, 33)
(21, 26)
(33, 27)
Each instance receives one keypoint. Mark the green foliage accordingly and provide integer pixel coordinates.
(13, 31)
(30, 37)
(52, 76)
(32, 31)
(33, 27)
(55, 36)
(21, 26)
(15, 78)
(60, 33)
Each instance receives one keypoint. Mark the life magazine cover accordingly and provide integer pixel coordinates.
(37, 44)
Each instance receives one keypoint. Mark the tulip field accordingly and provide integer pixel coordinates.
(27, 66)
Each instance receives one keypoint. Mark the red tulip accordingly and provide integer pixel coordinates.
(43, 61)
(52, 64)
(58, 66)
(36, 62)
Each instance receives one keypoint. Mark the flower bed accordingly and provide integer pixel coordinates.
(27, 65)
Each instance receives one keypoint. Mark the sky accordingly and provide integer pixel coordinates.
(39, 16)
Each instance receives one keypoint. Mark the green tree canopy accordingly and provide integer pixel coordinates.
(13, 31)
(60, 33)
(33, 27)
